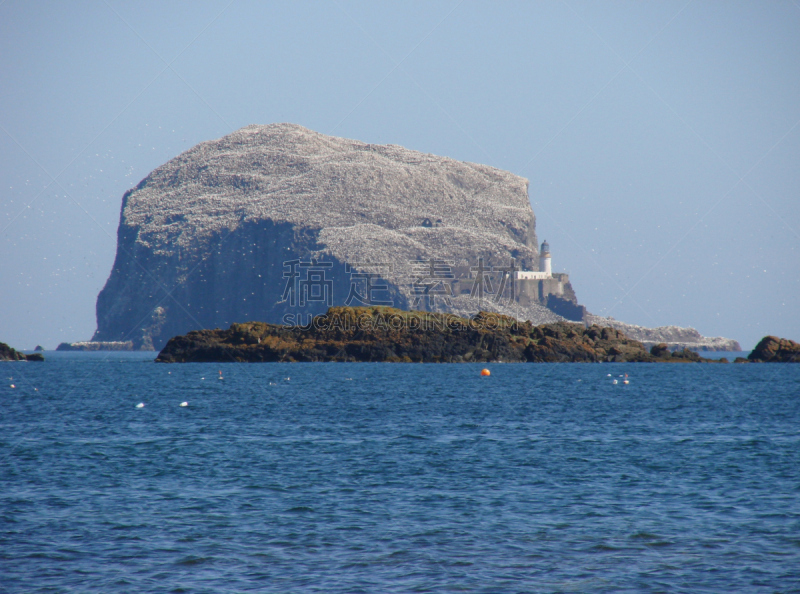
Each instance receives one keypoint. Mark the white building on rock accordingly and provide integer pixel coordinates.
(547, 288)
(545, 271)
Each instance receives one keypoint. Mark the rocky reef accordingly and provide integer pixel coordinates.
(96, 345)
(384, 334)
(9, 354)
(772, 349)
(676, 338)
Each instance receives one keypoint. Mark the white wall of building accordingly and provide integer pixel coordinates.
(532, 275)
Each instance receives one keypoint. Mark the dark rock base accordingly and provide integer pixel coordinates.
(772, 349)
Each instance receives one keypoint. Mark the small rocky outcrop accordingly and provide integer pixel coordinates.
(676, 338)
(662, 352)
(9, 354)
(383, 334)
(772, 349)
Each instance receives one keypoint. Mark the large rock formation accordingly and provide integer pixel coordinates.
(277, 223)
(207, 239)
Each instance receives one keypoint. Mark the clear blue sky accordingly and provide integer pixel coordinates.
(661, 140)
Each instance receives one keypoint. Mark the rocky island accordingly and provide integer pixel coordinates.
(278, 223)
(384, 334)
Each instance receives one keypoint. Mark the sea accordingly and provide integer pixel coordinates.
(118, 474)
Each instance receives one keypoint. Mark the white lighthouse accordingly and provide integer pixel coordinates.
(545, 271)
(544, 259)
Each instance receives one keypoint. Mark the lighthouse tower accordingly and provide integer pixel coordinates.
(544, 258)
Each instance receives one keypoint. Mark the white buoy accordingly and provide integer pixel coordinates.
(140, 405)
(184, 404)
(608, 375)
(13, 386)
(626, 382)
(615, 382)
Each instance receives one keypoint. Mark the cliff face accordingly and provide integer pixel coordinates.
(208, 239)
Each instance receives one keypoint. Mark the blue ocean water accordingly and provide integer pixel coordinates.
(397, 477)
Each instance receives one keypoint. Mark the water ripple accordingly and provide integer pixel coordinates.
(400, 478)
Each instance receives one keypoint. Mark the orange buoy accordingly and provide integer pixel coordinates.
(486, 372)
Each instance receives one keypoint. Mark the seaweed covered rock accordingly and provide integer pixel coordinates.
(660, 350)
(391, 335)
(772, 349)
(9, 354)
